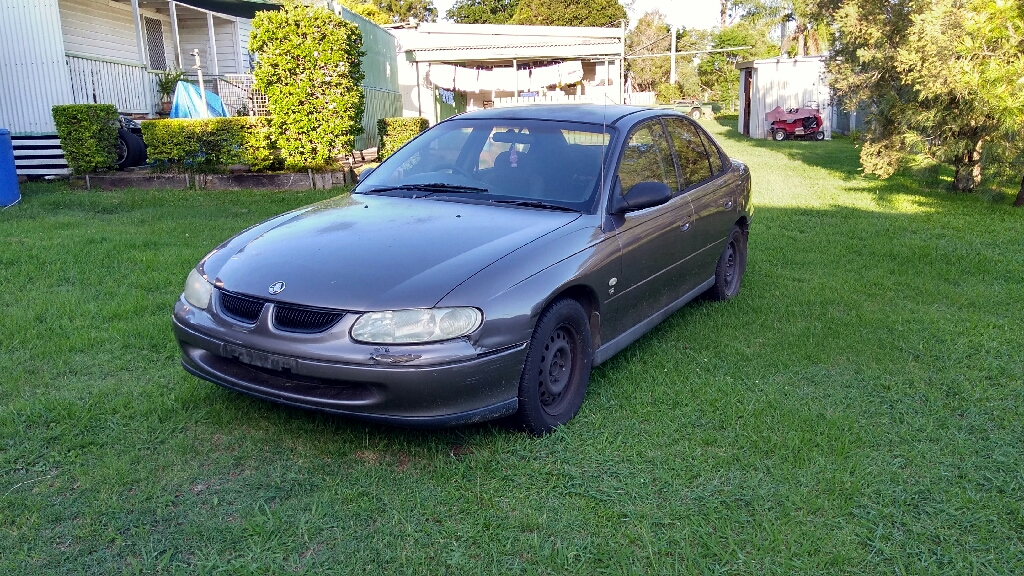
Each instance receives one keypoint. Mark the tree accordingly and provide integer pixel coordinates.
(570, 13)
(482, 11)
(310, 68)
(403, 10)
(650, 36)
(941, 78)
(717, 70)
(367, 10)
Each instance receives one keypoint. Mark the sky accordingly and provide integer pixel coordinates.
(688, 13)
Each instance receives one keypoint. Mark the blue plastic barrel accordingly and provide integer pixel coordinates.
(9, 193)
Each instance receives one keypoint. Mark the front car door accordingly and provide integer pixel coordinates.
(652, 240)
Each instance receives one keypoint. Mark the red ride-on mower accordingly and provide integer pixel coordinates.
(795, 123)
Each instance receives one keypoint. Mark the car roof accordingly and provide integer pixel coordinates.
(592, 113)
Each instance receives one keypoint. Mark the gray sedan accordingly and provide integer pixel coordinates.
(479, 272)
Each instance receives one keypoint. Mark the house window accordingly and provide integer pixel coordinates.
(155, 44)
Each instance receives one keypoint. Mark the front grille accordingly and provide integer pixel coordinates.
(304, 320)
(241, 308)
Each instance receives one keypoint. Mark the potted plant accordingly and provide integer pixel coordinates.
(166, 83)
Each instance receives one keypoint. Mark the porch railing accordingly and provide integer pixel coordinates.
(129, 87)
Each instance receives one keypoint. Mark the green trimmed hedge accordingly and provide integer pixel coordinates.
(211, 145)
(310, 68)
(88, 135)
(395, 132)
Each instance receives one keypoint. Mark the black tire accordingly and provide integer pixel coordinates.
(731, 265)
(779, 135)
(131, 151)
(557, 368)
(696, 113)
(819, 135)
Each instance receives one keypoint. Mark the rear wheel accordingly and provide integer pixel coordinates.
(131, 151)
(731, 265)
(779, 135)
(557, 368)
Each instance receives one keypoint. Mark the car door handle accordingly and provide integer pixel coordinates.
(728, 204)
(684, 225)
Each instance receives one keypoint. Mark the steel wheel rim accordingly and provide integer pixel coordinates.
(122, 151)
(730, 266)
(558, 367)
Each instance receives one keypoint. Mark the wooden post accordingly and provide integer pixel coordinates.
(140, 43)
(173, 6)
(212, 56)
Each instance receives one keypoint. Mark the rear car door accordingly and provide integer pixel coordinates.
(714, 203)
(653, 240)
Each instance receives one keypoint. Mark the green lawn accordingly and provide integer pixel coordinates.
(856, 410)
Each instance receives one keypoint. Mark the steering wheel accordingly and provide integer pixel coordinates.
(455, 170)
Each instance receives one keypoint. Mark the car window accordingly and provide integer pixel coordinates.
(492, 159)
(647, 158)
(694, 164)
(714, 153)
(442, 152)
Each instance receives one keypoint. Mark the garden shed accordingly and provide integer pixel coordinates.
(106, 52)
(786, 82)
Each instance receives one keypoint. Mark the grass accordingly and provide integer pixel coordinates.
(856, 410)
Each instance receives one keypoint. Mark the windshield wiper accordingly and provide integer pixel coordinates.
(432, 187)
(535, 204)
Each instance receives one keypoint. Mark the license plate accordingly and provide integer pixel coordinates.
(261, 359)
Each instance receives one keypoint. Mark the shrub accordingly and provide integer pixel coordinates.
(88, 135)
(309, 67)
(210, 145)
(665, 93)
(394, 132)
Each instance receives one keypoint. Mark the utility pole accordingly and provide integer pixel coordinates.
(672, 70)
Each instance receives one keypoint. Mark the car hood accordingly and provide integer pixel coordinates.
(365, 252)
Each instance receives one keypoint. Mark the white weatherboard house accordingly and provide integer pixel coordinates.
(786, 82)
(106, 52)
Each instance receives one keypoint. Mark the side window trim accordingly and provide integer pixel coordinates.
(723, 158)
(680, 181)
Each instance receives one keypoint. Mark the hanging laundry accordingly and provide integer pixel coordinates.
(466, 79)
(504, 79)
(442, 75)
(544, 76)
(570, 72)
(524, 79)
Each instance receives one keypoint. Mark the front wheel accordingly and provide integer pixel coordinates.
(731, 265)
(557, 368)
(779, 135)
(696, 113)
(819, 135)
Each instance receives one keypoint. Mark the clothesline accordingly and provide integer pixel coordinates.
(504, 78)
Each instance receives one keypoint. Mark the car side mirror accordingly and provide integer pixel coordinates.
(641, 195)
(366, 172)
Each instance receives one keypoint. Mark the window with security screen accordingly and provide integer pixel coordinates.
(155, 44)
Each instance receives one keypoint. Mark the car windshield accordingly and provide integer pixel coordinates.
(558, 164)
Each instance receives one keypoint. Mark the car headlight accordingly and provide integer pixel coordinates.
(197, 290)
(415, 326)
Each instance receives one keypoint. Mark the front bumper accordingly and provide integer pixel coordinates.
(451, 393)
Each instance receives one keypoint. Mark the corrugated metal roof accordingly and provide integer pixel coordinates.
(239, 8)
